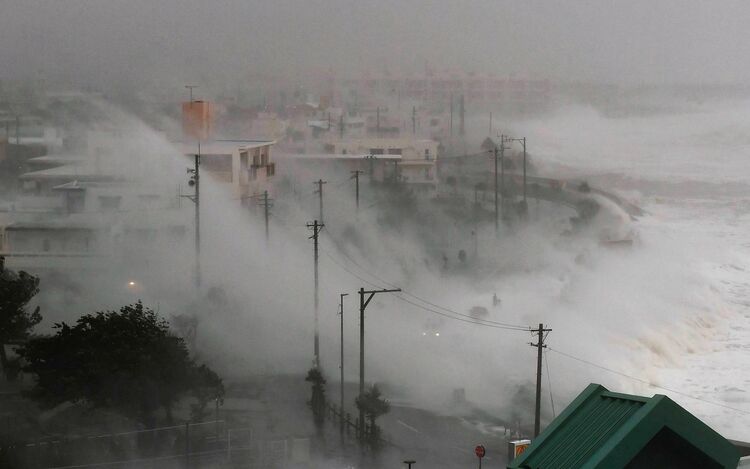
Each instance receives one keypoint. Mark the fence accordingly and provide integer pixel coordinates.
(372, 432)
(189, 445)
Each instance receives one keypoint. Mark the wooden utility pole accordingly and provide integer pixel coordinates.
(502, 175)
(451, 113)
(362, 306)
(316, 227)
(267, 204)
(355, 176)
(266, 207)
(523, 141)
(195, 181)
(462, 117)
(539, 346)
(319, 191)
(497, 211)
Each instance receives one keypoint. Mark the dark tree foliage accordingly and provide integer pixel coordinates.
(318, 398)
(373, 405)
(207, 387)
(16, 290)
(127, 361)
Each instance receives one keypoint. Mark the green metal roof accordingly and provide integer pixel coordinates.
(603, 429)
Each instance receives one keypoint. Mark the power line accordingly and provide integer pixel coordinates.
(640, 380)
(463, 318)
(451, 311)
(549, 383)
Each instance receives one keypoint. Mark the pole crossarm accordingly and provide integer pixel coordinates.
(372, 293)
(316, 227)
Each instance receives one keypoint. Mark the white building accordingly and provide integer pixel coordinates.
(414, 160)
(244, 164)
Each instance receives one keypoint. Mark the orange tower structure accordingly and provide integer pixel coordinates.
(198, 119)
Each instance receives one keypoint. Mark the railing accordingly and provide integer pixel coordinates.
(349, 426)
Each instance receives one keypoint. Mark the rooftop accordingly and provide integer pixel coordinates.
(222, 146)
(603, 429)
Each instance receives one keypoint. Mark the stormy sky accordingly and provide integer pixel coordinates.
(158, 42)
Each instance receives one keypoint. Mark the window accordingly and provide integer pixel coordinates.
(427, 154)
(376, 151)
(45, 245)
(343, 152)
(109, 202)
(394, 151)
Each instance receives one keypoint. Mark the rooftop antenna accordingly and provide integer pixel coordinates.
(190, 87)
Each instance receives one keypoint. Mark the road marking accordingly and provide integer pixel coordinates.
(408, 426)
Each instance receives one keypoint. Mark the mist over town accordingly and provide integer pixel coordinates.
(336, 234)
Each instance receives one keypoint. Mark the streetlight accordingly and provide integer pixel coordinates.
(409, 462)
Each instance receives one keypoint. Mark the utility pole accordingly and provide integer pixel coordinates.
(362, 306)
(18, 129)
(523, 142)
(355, 176)
(341, 312)
(377, 111)
(414, 120)
(316, 227)
(462, 121)
(502, 174)
(196, 176)
(265, 210)
(451, 113)
(341, 125)
(267, 204)
(490, 124)
(497, 211)
(524, 170)
(195, 180)
(539, 346)
(319, 191)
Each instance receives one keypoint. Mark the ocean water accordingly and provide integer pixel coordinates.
(682, 293)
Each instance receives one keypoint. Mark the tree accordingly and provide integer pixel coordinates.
(318, 399)
(207, 387)
(373, 406)
(128, 361)
(16, 290)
